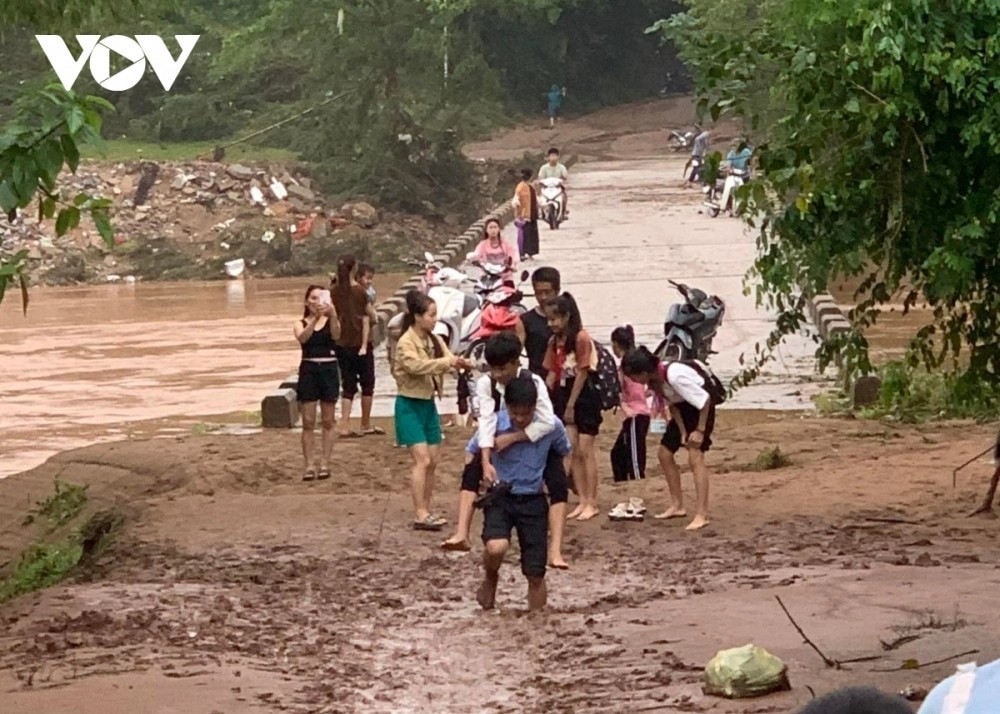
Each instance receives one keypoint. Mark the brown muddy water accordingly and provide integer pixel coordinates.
(97, 363)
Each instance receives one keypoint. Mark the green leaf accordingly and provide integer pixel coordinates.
(48, 206)
(8, 201)
(75, 119)
(68, 218)
(70, 151)
(49, 159)
(81, 198)
(852, 105)
(103, 224)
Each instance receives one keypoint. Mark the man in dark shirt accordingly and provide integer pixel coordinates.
(533, 327)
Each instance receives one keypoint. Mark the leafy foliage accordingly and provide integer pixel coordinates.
(877, 137)
(44, 139)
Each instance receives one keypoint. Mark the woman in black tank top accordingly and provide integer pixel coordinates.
(319, 378)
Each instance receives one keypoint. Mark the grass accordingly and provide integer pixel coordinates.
(129, 150)
(41, 566)
(61, 507)
(769, 459)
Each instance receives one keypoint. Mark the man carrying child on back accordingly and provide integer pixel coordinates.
(516, 499)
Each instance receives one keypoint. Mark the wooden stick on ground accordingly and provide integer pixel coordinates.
(826, 660)
(920, 665)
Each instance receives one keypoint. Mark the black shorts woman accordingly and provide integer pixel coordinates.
(319, 377)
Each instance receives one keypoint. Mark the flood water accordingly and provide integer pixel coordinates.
(101, 362)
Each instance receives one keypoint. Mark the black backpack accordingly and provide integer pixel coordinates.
(605, 378)
(521, 374)
(713, 385)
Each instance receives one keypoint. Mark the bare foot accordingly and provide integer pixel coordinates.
(557, 562)
(487, 592)
(455, 543)
(696, 523)
(672, 512)
(588, 513)
(575, 512)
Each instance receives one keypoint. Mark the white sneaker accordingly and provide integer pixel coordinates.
(637, 504)
(624, 512)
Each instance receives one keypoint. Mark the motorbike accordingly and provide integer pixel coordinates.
(720, 194)
(551, 202)
(691, 326)
(680, 140)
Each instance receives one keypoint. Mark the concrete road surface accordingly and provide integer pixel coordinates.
(631, 228)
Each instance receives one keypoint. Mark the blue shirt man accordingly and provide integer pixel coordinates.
(739, 160)
(970, 691)
(522, 465)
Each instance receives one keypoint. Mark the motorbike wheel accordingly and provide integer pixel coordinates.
(552, 218)
(713, 212)
(673, 351)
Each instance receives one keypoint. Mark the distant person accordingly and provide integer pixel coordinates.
(978, 687)
(628, 455)
(554, 169)
(680, 390)
(864, 700)
(357, 365)
(555, 98)
(366, 278)
(569, 361)
(421, 358)
(319, 378)
(494, 249)
(698, 151)
(526, 216)
(518, 501)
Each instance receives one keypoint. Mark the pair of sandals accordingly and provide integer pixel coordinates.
(371, 431)
(430, 523)
(313, 475)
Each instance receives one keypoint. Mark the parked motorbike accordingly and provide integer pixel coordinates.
(680, 140)
(691, 326)
(552, 201)
(720, 194)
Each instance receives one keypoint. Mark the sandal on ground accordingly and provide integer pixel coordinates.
(309, 475)
(428, 524)
(637, 504)
(372, 430)
(350, 435)
(463, 547)
(324, 473)
(625, 512)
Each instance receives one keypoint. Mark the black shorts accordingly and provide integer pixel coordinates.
(554, 477)
(586, 413)
(672, 437)
(318, 382)
(356, 369)
(529, 517)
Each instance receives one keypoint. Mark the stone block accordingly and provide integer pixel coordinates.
(290, 382)
(830, 325)
(866, 391)
(827, 307)
(279, 410)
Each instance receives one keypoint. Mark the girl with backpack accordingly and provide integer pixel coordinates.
(689, 392)
(628, 455)
(570, 359)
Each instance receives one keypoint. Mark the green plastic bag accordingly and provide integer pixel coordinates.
(744, 672)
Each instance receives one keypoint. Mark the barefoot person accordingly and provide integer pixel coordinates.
(420, 359)
(356, 365)
(502, 353)
(319, 378)
(570, 359)
(518, 502)
(692, 419)
(366, 278)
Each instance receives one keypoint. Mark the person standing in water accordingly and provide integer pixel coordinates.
(319, 378)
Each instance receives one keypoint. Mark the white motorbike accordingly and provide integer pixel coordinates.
(553, 198)
(716, 203)
(680, 140)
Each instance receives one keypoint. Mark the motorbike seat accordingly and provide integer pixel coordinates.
(688, 317)
(469, 305)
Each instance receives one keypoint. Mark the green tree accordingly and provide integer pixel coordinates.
(878, 137)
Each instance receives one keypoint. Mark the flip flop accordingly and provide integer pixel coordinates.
(350, 435)
(372, 431)
(309, 475)
(428, 524)
(324, 473)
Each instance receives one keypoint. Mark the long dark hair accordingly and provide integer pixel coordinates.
(305, 300)
(418, 303)
(345, 270)
(486, 235)
(565, 306)
(624, 337)
(640, 361)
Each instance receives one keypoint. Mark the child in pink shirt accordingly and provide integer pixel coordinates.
(494, 249)
(628, 455)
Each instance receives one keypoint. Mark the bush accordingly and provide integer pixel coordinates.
(913, 394)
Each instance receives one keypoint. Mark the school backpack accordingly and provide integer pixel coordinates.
(713, 385)
(521, 374)
(605, 378)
